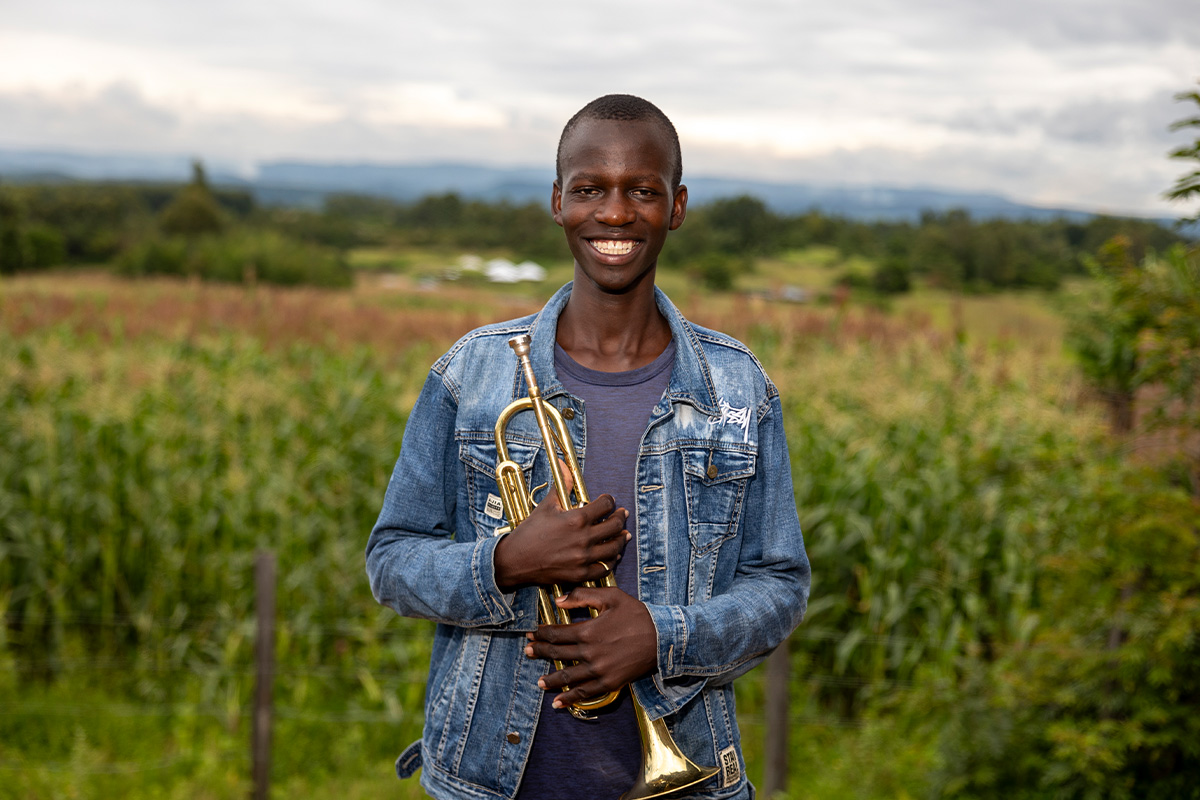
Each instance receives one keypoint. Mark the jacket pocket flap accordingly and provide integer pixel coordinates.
(480, 453)
(717, 465)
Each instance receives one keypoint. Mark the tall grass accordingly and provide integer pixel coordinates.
(155, 437)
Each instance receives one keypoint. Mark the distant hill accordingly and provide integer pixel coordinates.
(305, 183)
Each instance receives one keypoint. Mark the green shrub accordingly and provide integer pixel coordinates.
(1103, 701)
(47, 248)
(891, 277)
(14, 245)
(154, 256)
(238, 257)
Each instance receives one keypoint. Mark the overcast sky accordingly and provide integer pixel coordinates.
(1053, 102)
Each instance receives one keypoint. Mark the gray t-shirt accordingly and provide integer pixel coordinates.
(571, 758)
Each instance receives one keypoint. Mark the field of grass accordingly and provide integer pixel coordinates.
(159, 432)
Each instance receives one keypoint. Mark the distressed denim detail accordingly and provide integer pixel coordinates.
(721, 562)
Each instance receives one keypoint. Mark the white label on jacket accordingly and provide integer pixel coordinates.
(731, 768)
(494, 508)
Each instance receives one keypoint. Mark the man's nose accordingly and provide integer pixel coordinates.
(615, 210)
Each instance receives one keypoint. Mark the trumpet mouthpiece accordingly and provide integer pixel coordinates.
(520, 344)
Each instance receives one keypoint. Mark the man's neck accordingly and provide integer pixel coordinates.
(613, 332)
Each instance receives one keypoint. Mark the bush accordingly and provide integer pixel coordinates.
(1103, 702)
(47, 248)
(25, 245)
(715, 271)
(155, 257)
(245, 256)
(14, 246)
(890, 278)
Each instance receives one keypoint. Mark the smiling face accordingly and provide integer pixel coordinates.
(616, 202)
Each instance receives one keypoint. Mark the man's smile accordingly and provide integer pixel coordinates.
(613, 247)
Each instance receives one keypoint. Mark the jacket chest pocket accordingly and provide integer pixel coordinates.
(479, 462)
(715, 480)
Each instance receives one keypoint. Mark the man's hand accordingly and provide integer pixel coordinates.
(557, 546)
(613, 649)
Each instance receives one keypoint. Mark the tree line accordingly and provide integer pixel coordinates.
(224, 234)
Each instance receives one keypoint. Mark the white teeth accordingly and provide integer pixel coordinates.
(612, 248)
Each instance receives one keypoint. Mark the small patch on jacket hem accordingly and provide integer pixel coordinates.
(731, 768)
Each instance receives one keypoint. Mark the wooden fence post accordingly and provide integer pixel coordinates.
(778, 712)
(264, 658)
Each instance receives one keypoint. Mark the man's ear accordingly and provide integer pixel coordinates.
(678, 207)
(556, 204)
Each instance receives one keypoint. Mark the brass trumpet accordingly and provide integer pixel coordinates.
(665, 769)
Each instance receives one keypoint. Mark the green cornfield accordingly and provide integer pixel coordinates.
(156, 435)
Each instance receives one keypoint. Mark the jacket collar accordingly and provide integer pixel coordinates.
(691, 379)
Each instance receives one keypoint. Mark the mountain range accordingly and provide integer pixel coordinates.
(306, 183)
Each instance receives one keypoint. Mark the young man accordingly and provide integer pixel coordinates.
(679, 427)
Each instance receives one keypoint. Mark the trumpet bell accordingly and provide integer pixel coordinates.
(665, 769)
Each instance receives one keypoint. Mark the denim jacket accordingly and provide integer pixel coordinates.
(720, 557)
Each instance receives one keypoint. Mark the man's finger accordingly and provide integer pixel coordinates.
(552, 652)
(599, 598)
(589, 690)
(601, 507)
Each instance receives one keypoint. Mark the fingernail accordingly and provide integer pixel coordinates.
(628, 536)
(529, 652)
(557, 704)
(541, 684)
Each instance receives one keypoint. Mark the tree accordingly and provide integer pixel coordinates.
(194, 211)
(14, 247)
(1169, 293)
(743, 224)
(1104, 333)
(1188, 185)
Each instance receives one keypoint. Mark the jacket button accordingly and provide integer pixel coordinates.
(513, 738)
(712, 471)
(568, 413)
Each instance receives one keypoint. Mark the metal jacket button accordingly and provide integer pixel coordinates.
(568, 413)
(712, 471)
(513, 738)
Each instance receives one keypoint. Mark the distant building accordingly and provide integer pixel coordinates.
(501, 270)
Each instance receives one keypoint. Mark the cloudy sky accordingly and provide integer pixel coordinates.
(1050, 102)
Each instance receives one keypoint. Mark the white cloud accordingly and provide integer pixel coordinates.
(1061, 101)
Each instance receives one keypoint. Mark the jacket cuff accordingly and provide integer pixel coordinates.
(510, 611)
(668, 690)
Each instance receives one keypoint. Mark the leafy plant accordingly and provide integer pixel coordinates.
(1106, 330)
(1103, 702)
(1188, 184)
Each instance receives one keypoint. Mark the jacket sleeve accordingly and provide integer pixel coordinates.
(712, 642)
(415, 564)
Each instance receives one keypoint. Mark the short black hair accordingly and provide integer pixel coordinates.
(624, 108)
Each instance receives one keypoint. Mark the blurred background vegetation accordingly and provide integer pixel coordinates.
(731, 243)
(995, 444)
